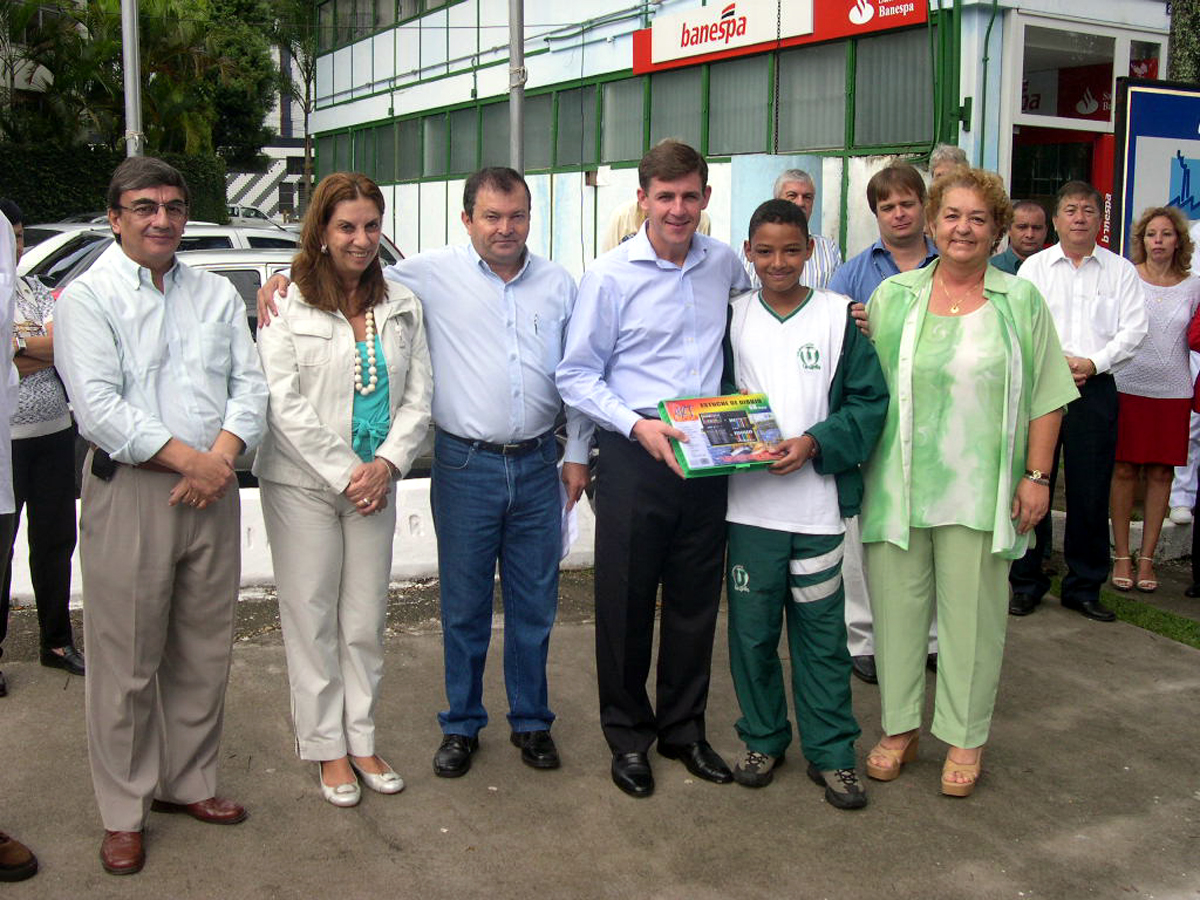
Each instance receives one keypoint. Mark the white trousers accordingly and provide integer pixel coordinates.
(332, 568)
(860, 634)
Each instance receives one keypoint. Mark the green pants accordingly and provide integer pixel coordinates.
(773, 574)
(953, 567)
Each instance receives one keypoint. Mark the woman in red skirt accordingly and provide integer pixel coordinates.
(1154, 391)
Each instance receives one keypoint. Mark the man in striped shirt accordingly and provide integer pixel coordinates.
(796, 186)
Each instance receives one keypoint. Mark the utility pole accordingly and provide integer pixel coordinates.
(135, 140)
(517, 77)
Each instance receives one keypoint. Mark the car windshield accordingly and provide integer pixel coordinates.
(58, 265)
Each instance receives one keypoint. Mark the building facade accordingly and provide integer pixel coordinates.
(415, 94)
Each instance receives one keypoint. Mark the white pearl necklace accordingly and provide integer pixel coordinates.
(365, 378)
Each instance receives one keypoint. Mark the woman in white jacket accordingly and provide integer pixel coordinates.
(350, 382)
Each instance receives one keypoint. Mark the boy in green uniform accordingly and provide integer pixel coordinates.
(801, 348)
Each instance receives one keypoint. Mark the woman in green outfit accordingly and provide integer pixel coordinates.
(978, 382)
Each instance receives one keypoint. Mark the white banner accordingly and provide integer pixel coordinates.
(726, 26)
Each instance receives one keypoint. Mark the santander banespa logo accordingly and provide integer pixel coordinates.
(862, 12)
(728, 27)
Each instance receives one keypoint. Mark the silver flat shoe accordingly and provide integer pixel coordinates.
(388, 782)
(341, 794)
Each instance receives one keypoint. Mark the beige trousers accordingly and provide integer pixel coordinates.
(159, 589)
(332, 568)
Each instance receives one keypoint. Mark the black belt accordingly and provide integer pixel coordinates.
(517, 448)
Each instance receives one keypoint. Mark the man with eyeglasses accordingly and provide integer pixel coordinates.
(162, 373)
(1095, 298)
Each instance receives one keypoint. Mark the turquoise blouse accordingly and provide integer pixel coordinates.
(372, 418)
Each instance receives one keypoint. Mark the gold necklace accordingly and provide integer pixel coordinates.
(956, 305)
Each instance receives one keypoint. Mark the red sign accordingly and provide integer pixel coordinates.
(832, 19)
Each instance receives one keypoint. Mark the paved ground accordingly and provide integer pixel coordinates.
(1092, 789)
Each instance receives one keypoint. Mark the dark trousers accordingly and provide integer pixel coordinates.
(44, 481)
(653, 528)
(1087, 446)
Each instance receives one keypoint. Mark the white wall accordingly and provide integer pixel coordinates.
(414, 547)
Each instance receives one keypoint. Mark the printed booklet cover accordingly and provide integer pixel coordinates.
(725, 434)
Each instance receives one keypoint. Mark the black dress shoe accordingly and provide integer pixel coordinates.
(1192, 590)
(864, 668)
(931, 662)
(1091, 609)
(1022, 604)
(71, 660)
(537, 749)
(631, 773)
(453, 757)
(3, 686)
(700, 759)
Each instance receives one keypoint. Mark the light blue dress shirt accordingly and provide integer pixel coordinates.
(647, 330)
(143, 366)
(494, 345)
(858, 276)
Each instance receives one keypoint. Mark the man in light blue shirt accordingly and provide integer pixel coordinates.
(160, 367)
(495, 316)
(648, 326)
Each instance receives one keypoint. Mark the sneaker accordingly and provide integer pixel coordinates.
(754, 769)
(842, 788)
(1180, 515)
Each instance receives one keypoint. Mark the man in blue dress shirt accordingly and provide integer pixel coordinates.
(494, 317)
(647, 327)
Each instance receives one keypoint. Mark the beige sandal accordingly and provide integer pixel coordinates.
(961, 788)
(1147, 585)
(898, 756)
(1120, 582)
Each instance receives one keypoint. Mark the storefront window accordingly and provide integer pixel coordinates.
(893, 89)
(676, 109)
(1144, 59)
(463, 139)
(1067, 74)
(539, 117)
(576, 127)
(623, 120)
(408, 149)
(385, 150)
(739, 102)
(496, 131)
(812, 97)
(435, 145)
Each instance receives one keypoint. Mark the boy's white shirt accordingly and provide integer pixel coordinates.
(793, 363)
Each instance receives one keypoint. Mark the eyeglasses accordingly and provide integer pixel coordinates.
(148, 209)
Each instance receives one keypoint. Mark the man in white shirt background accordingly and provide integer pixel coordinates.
(1095, 298)
(796, 186)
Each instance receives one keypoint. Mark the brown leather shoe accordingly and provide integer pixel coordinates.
(122, 853)
(16, 861)
(214, 810)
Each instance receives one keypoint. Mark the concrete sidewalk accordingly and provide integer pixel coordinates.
(1092, 789)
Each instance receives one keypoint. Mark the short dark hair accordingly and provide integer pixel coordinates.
(498, 178)
(1078, 189)
(139, 172)
(12, 212)
(778, 212)
(670, 160)
(893, 179)
(1031, 205)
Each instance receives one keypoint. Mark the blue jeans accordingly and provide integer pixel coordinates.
(487, 506)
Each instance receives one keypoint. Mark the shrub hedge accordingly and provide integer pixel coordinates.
(50, 182)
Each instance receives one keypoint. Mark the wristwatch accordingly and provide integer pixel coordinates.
(20, 346)
(1037, 476)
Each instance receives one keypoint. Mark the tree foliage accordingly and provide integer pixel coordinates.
(295, 33)
(206, 72)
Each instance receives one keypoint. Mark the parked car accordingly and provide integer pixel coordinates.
(252, 216)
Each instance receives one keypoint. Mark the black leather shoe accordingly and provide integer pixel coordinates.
(453, 757)
(537, 749)
(3, 686)
(1192, 590)
(70, 661)
(1091, 609)
(931, 662)
(1022, 604)
(864, 668)
(631, 773)
(700, 759)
